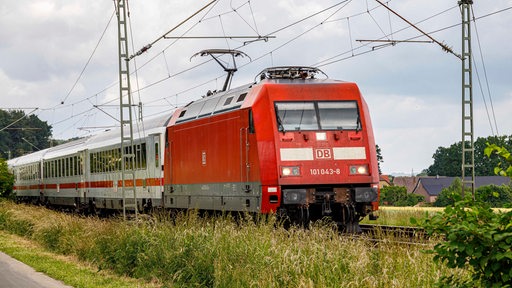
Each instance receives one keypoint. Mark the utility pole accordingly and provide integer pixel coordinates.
(128, 184)
(468, 149)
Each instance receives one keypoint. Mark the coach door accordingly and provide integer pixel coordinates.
(82, 172)
(154, 177)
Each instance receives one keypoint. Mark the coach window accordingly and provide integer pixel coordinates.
(104, 161)
(143, 155)
(107, 160)
(92, 162)
(138, 157)
(157, 158)
(68, 167)
(128, 160)
(75, 165)
(79, 164)
(97, 160)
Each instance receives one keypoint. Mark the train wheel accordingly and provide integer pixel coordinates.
(304, 219)
(349, 220)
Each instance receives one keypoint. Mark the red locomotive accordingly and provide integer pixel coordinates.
(290, 144)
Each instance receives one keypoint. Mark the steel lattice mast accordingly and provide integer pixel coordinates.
(128, 184)
(468, 150)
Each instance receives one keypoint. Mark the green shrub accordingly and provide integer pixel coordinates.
(496, 196)
(504, 167)
(398, 196)
(477, 240)
(6, 181)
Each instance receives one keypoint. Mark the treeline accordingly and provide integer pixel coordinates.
(495, 196)
(447, 160)
(21, 134)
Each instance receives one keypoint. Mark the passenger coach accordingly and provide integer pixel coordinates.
(85, 174)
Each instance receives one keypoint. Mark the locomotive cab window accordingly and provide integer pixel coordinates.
(324, 115)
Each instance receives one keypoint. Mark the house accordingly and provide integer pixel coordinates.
(430, 187)
(384, 181)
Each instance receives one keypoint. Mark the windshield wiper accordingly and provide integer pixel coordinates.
(358, 125)
(280, 126)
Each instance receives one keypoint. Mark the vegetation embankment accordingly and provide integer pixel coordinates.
(220, 252)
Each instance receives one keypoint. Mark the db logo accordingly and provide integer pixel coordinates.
(323, 154)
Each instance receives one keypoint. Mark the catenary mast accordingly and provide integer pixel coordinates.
(468, 150)
(128, 183)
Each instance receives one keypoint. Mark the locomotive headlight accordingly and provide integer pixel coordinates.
(290, 171)
(359, 170)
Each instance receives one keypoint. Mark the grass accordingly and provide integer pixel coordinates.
(219, 252)
(401, 216)
(65, 268)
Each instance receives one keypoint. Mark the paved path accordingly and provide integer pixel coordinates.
(15, 274)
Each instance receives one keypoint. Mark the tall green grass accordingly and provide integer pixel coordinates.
(189, 250)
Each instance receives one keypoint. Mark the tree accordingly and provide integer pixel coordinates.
(447, 161)
(379, 158)
(27, 134)
(6, 180)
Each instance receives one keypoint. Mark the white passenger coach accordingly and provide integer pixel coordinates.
(86, 173)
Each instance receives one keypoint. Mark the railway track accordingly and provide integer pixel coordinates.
(396, 234)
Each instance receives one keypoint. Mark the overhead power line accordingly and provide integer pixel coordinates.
(443, 46)
(148, 46)
(88, 60)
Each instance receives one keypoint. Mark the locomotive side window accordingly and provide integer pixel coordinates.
(228, 101)
(324, 115)
(251, 123)
(241, 97)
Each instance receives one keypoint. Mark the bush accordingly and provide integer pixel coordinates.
(6, 180)
(398, 196)
(504, 167)
(478, 240)
(450, 194)
(496, 196)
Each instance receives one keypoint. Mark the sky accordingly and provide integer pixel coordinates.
(60, 56)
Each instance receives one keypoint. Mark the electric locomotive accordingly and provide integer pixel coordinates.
(291, 144)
